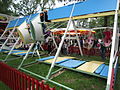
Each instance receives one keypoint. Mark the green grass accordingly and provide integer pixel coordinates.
(3, 86)
(72, 79)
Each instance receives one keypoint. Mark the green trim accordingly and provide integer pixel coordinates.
(11, 59)
(57, 70)
(29, 63)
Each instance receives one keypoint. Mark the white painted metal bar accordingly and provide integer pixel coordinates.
(113, 46)
(14, 37)
(15, 42)
(60, 45)
(38, 54)
(115, 54)
(4, 31)
(11, 49)
(102, 28)
(40, 43)
(37, 50)
(34, 51)
(25, 56)
(77, 39)
(10, 35)
(116, 62)
(52, 35)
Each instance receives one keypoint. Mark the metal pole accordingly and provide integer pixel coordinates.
(41, 46)
(9, 35)
(77, 39)
(37, 50)
(11, 49)
(113, 46)
(25, 56)
(54, 40)
(13, 37)
(61, 43)
(4, 31)
(34, 50)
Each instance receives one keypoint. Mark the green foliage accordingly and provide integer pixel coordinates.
(4, 6)
(25, 7)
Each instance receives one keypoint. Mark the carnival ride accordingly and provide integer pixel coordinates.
(18, 25)
(86, 10)
(79, 11)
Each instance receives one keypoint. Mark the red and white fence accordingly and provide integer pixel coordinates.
(17, 80)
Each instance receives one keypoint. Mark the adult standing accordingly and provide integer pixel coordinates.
(102, 50)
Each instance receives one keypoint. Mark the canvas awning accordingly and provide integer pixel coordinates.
(86, 9)
(19, 21)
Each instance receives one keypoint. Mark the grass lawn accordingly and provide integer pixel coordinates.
(72, 79)
(3, 86)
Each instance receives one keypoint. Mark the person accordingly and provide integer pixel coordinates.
(65, 48)
(49, 46)
(44, 18)
(102, 50)
(42, 22)
(95, 43)
(108, 34)
(81, 42)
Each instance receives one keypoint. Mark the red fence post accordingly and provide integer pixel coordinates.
(28, 83)
(17, 80)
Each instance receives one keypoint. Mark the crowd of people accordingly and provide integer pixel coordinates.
(85, 42)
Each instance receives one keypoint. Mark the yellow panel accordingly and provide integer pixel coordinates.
(87, 16)
(20, 52)
(9, 51)
(59, 59)
(90, 66)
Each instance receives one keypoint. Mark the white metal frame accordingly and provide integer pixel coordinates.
(115, 40)
(60, 45)
(17, 40)
(8, 35)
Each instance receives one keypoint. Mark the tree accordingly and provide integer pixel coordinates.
(25, 7)
(5, 6)
(46, 4)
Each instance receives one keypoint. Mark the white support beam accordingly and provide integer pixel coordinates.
(60, 45)
(11, 33)
(113, 46)
(77, 39)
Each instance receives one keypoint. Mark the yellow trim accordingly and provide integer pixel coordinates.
(87, 16)
(11, 28)
(20, 52)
